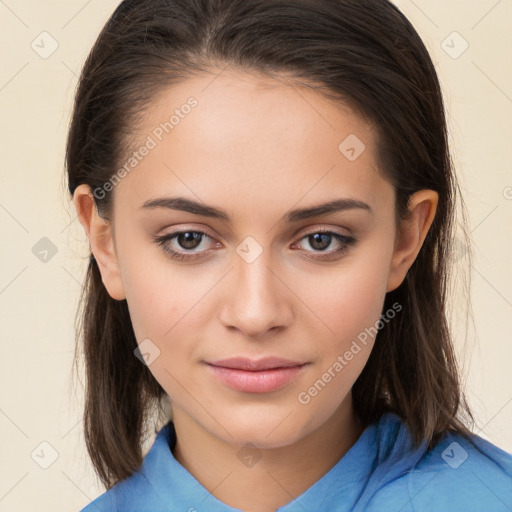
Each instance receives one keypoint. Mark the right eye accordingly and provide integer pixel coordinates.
(186, 239)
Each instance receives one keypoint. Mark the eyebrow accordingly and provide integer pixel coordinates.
(190, 206)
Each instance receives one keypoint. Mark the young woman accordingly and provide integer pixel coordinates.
(269, 198)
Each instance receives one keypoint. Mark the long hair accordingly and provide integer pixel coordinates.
(364, 53)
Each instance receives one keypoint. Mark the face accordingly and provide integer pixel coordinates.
(253, 281)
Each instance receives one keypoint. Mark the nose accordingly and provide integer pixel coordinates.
(257, 299)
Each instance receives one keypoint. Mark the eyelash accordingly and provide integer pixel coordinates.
(163, 240)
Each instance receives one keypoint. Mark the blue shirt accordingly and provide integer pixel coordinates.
(382, 472)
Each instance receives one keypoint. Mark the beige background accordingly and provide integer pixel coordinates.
(38, 300)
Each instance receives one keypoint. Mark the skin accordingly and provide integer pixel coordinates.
(255, 148)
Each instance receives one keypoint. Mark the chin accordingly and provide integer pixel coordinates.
(263, 429)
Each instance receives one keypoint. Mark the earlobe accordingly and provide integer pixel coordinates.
(423, 206)
(99, 233)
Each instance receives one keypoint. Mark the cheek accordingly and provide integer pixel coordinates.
(166, 306)
(160, 293)
(349, 300)
(161, 303)
(350, 304)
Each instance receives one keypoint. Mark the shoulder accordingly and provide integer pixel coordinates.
(102, 503)
(456, 475)
(137, 492)
(133, 493)
(467, 474)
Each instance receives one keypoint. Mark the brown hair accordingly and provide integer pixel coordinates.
(361, 52)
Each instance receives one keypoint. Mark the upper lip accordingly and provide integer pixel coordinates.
(265, 363)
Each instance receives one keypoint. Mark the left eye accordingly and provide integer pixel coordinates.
(319, 240)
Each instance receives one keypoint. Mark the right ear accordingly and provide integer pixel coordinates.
(101, 241)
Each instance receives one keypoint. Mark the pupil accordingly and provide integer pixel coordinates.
(189, 239)
(316, 238)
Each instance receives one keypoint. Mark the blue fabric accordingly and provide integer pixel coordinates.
(382, 472)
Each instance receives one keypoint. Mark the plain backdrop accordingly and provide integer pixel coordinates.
(45, 465)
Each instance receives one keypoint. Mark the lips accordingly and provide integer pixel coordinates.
(256, 376)
(266, 363)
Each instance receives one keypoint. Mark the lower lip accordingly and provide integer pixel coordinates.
(263, 381)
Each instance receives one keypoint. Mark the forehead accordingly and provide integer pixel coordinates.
(251, 142)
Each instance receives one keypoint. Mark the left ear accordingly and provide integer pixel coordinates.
(423, 205)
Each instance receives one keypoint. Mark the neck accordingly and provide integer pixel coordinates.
(284, 472)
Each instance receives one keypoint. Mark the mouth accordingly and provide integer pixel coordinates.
(265, 363)
(256, 376)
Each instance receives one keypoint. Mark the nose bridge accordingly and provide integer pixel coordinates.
(256, 301)
(255, 279)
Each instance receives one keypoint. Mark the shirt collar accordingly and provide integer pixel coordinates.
(177, 487)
